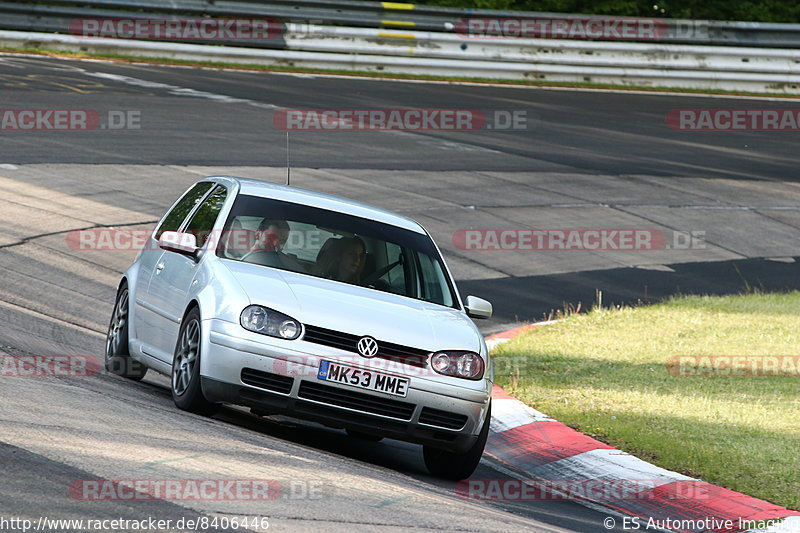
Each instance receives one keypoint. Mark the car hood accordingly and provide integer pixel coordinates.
(357, 310)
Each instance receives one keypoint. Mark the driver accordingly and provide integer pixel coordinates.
(267, 249)
(271, 235)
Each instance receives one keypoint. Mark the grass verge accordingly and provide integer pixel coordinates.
(605, 374)
(381, 75)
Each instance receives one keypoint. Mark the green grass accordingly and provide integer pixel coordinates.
(380, 75)
(604, 373)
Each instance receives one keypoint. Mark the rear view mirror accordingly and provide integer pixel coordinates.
(174, 241)
(478, 307)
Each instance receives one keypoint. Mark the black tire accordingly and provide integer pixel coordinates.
(187, 392)
(355, 434)
(118, 359)
(457, 466)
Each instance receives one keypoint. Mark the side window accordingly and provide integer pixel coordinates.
(203, 220)
(174, 219)
(434, 281)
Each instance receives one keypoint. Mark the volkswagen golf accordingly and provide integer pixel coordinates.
(293, 302)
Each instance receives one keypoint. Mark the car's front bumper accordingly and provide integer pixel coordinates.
(281, 377)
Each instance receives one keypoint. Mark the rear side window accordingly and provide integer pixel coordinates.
(174, 219)
(203, 220)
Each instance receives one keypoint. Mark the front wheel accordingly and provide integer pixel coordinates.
(118, 359)
(186, 390)
(457, 466)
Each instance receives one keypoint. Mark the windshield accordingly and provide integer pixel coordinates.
(335, 246)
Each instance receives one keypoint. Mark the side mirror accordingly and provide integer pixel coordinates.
(174, 241)
(477, 307)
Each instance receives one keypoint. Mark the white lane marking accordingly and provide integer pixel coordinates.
(609, 465)
(8, 166)
(11, 62)
(454, 145)
(509, 414)
(178, 91)
(225, 99)
(137, 82)
(659, 268)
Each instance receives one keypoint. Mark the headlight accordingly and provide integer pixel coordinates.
(467, 365)
(270, 322)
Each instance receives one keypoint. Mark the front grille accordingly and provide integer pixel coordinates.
(443, 419)
(267, 380)
(356, 400)
(329, 337)
(386, 350)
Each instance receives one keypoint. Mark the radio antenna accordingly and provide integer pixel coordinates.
(288, 167)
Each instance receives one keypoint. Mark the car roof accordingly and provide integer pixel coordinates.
(297, 195)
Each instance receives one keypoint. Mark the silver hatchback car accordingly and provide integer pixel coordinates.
(294, 302)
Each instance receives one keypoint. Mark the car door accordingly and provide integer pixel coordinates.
(146, 319)
(175, 272)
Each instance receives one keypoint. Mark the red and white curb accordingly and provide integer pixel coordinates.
(543, 451)
(503, 336)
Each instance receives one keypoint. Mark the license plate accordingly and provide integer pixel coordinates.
(363, 379)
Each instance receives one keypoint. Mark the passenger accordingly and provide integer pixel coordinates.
(344, 261)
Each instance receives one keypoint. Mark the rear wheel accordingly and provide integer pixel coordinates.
(457, 466)
(186, 390)
(118, 359)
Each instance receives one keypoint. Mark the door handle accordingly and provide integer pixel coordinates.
(159, 267)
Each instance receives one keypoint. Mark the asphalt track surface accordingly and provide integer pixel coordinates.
(585, 160)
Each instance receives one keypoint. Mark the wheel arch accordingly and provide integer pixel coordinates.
(205, 336)
(193, 303)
